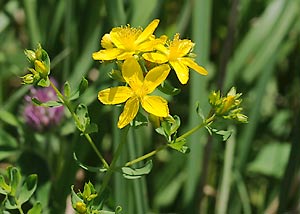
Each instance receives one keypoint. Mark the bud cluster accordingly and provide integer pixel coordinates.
(39, 67)
(228, 107)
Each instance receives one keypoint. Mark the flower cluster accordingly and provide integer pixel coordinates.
(228, 107)
(40, 67)
(135, 49)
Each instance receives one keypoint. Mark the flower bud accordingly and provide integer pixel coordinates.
(41, 68)
(28, 79)
(80, 207)
(30, 55)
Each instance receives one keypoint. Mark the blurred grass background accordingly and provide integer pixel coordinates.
(253, 45)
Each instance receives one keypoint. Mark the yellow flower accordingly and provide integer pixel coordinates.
(176, 54)
(137, 91)
(123, 42)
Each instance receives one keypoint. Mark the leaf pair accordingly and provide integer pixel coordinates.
(17, 192)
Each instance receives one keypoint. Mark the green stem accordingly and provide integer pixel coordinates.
(193, 130)
(87, 136)
(19, 207)
(114, 161)
(188, 133)
(146, 155)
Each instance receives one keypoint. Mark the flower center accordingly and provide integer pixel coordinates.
(127, 36)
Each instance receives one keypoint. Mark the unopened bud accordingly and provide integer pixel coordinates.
(28, 79)
(80, 207)
(30, 55)
(41, 68)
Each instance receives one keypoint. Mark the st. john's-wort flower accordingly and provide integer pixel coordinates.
(137, 92)
(176, 53)
(123, 42)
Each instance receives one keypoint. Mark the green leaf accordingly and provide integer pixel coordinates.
(118, 210)
(169, 126)
(74, 197)
(83, 85)
(168, 89)
(67, 89)
(224, 133)
(180, 146)
(90, 128)
(83, 117)
(271, 160)
(116, 75)
(27, 188)
(14, 179)
(139, 120)
(46, 104)
(10, 203)
(36, 209)
(4, 187)
(131, 173)
(88, 168)
(199, 111)
(175, 125)
(44, 82)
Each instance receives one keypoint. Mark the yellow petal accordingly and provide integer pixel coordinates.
(106, 42)
(130, 110)
(155, 57)
(147, 32)
(179, 48)
(155, 77)
(125, 55)
(193, 65)
(181, 71)
(150, 45)
(132, 73)
(163, 49)
(115, 95)
(108, 54)
(155, 105)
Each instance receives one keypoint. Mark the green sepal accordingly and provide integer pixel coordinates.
(131, 173)
(86, 167)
